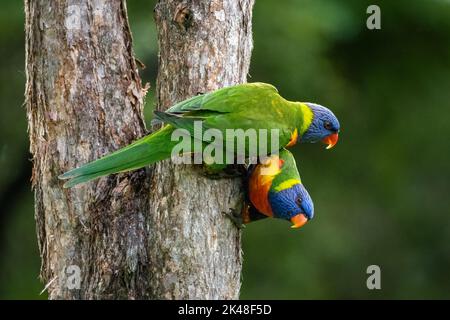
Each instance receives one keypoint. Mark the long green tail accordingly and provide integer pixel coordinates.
(147, 150)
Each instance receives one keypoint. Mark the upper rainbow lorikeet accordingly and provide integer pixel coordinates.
(245, 106)
(274, 189)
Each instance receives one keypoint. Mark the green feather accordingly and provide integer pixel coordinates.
(145, 151)
(289, 171)
(245, 106)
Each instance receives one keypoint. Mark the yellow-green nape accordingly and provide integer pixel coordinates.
(307, 117)
(287, 184)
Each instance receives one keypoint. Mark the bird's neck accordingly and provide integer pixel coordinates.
(303, 116)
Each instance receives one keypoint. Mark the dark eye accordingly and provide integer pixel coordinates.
(327, 125)
(298, 201)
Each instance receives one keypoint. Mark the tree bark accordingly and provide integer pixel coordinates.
(155, 233)
(84, 100)
(204, 45)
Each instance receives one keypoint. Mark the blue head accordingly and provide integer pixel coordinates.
(293, 203)
(324, 126)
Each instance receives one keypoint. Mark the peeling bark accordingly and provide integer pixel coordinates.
(150, 233)
(204, 45)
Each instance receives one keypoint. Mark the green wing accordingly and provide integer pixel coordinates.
(230, 99)
(246, 106)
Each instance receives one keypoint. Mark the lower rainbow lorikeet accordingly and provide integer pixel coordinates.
(256, 106)
(274, 189)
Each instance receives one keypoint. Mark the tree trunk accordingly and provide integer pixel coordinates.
(204, 45)
(84, 100)
(133, 235)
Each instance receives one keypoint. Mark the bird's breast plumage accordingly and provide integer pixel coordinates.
(260, 183)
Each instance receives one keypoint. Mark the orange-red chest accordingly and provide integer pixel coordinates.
(260, 183)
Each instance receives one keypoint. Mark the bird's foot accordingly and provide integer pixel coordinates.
(236, 217)
(216, 171)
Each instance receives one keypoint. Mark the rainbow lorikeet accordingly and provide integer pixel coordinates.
(256, 106)
(274, 189)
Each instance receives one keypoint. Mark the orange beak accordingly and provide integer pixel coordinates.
(331, 140)
(298, 220)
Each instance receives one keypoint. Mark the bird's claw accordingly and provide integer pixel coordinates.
(224, 172)
(235, 217)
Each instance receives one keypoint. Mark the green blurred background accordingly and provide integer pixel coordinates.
(381, 195)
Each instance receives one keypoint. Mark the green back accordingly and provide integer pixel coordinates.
(289, 170)
(245, 106)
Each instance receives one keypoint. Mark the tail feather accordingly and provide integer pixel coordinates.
(145, 151)
(176, 120)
